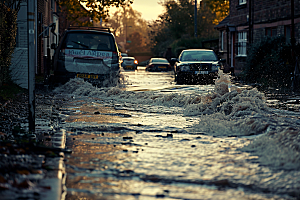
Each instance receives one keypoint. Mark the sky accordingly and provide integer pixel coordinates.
(150, 9)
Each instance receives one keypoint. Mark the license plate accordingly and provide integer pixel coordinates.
(162, 67)
(129, 67)
(91, 76)
(201, 72)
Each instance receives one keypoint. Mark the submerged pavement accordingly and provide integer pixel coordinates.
(138, 145)
(158, 144)
(32, 165)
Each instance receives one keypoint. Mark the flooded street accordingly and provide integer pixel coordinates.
(152, 139)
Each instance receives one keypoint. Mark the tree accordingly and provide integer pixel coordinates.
(179, 17)
(130, 30)
(177, 24)
(8, 31)
(220, 8)
(90, 10)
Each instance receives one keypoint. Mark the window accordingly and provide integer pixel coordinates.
(241, 2)
(222, 40)
(287, 34)
(271, 31)
(242, 44)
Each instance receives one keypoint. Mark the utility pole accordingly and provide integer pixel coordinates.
(296, 79)
(195, 19)
(31, 63)
(293, 25)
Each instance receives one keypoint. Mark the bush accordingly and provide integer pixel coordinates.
(269, 63)
(8, 29)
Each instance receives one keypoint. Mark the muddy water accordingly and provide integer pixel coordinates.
(127, 148)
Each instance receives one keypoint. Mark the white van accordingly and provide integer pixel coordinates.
(90, 53)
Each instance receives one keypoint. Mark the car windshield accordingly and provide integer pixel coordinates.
(159, 60)
(198, 56)
(89, 41)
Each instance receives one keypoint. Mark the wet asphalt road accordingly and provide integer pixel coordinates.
(124, 151)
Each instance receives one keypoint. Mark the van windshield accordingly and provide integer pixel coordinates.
(89, 41)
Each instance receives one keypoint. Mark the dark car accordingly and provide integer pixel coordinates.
(158, 64)
(129, 63)
(196, 65)
(90, 53)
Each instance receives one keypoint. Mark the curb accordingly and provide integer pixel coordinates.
(55, 178)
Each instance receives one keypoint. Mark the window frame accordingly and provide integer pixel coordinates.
(242, 43)
(287, 34)
(271, 31)
(222, 40)
(242, 2)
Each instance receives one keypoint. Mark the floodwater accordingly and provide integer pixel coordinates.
(152, 139)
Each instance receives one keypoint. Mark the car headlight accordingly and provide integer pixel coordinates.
(184, 68)
(215, 67)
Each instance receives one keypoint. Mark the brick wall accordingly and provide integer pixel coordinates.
(267, 14)
(264, 11)
(238, 14)
(272, 10)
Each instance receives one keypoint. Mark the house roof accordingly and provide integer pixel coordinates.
(224, 23)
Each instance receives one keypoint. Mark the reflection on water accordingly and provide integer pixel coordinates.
(179, 142)
(147, 165)
(136, 161)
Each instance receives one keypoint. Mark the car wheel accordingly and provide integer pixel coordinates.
(179, 79)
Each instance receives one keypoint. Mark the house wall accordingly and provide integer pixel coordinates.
(19, 66)
(224, 43)
(19, 62)
(266, 14)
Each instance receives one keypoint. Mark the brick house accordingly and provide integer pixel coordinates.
(249, 21)
(46, 15)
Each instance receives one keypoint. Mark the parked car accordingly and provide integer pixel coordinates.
(129, 63)
(124, 54)
(158, 64)
(90, 53)
(195, 65)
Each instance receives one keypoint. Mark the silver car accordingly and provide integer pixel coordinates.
(129, 63)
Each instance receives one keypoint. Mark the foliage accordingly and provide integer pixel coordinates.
(9, 91)
(269, 63)
(130, 30)
(188, 43)
(74, 12)
(179, 17)
(8, 31)
(176, 26)
(89, 10)
(220, 8)
(12, 4)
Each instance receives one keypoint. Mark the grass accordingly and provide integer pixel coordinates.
(9, 91)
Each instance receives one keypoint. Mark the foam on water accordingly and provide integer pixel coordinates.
(226, 111)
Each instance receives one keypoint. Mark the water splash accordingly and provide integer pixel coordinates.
(225, 111)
